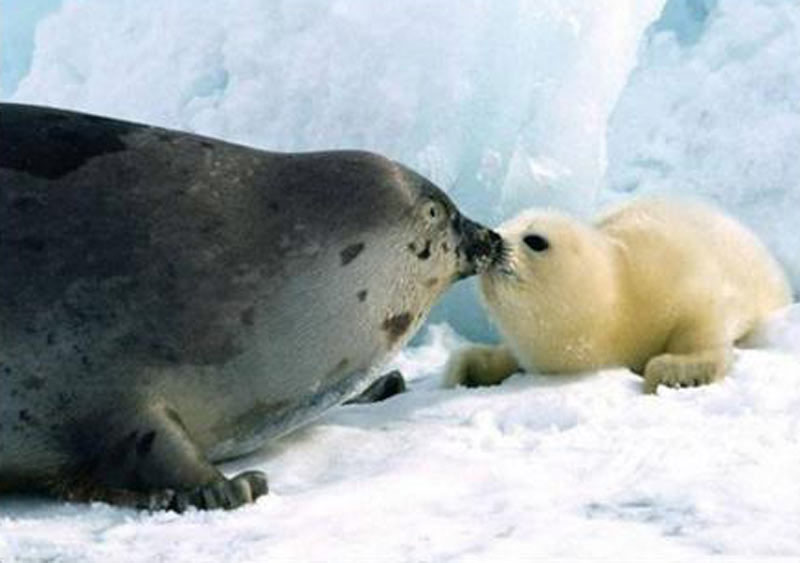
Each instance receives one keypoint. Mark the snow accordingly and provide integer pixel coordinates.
(18, 21)
(540, 466)
(506, 105)
(712, 109)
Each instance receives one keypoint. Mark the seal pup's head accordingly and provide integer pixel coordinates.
(556, 278)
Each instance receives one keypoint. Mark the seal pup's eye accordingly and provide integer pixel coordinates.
(537, 243)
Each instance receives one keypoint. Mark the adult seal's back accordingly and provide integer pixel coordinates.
(169, 300)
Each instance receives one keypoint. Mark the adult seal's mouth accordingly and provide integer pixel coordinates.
(480, 249)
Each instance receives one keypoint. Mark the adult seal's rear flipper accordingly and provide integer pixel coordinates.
(144, 457)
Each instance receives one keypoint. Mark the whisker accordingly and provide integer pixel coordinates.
(503, 263)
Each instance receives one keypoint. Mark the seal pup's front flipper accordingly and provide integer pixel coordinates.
(480, 365)
(696, 353)
(144, 457)
(687, 370)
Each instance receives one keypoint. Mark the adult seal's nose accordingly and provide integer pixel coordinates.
(480, 247)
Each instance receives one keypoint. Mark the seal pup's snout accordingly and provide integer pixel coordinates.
(502, 262)
(480, 247)
(499, 249)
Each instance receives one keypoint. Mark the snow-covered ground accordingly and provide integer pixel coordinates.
(579, 466)
(504, 104)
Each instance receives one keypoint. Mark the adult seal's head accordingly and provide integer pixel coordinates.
(169, 300)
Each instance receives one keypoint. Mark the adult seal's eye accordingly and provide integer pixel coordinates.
(434, 211)
(537, 243)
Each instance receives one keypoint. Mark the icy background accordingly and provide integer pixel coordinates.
(503, 104)
(572, 103)
(713, 109)
(18, 19)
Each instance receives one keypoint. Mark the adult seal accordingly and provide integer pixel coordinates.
(168, 300)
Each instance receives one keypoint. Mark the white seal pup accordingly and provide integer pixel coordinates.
(665, 287)
(169, 300)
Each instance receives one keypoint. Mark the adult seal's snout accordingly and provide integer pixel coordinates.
(169, 300)
(481, 247)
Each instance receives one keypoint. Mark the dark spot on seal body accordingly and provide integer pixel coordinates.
(423, 254)
(145, 443)
(426, 252)
(33, 383)
(362, 295)
(25, 416)
(445, 247)
(430, 282)
(338, 371)
(396, 325)
(49, 143)
(249, 316)
(273, 206)
(349, 254)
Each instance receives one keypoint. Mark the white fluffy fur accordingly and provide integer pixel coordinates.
(665, 287)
